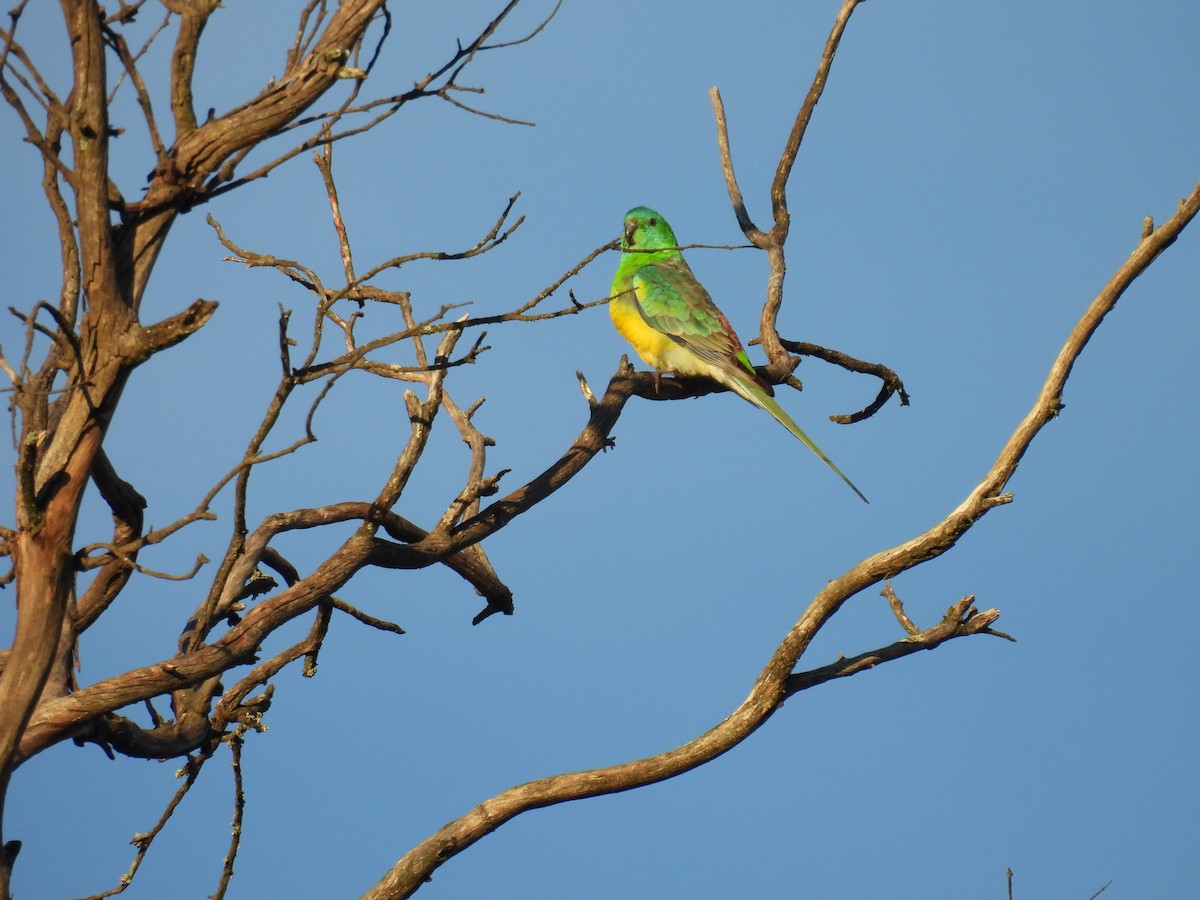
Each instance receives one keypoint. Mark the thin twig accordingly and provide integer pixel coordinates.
(754, 234)
(531, 35)
(234, 741)
(324, 161)
(434, 84)
(120, 554)
(784, 170)
(355, 613)
(143, 841)
(898, 609)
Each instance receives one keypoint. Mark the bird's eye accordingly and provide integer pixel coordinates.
(652, 222)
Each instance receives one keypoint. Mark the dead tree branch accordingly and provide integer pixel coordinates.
(780, 363)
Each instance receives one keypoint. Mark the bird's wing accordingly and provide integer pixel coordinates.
(674, 303)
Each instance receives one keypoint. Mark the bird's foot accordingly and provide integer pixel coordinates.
(658, 377)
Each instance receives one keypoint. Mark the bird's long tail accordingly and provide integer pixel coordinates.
(759, 398)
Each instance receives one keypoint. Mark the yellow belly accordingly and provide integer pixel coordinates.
(652, 345)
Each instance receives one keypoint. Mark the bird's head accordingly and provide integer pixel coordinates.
(646, 230)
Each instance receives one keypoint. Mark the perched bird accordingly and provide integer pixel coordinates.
(673, 324)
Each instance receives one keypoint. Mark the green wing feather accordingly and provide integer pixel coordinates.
(674, 303)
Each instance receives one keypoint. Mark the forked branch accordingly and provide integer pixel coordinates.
(781, 364)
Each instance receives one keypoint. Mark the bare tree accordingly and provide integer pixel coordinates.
(80, 351)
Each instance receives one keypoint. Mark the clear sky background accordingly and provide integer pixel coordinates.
(972, 177)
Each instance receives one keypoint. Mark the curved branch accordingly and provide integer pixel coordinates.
(127, 507)
(193, 16)
(891, 381)
(164, 741)
(416, 867)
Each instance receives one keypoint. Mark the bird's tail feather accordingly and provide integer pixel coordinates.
(759, 398)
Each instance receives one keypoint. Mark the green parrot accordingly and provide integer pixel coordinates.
(673, 324)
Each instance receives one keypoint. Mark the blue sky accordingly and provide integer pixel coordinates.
(971, 178)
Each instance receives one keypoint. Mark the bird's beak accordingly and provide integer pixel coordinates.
(630, 228)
